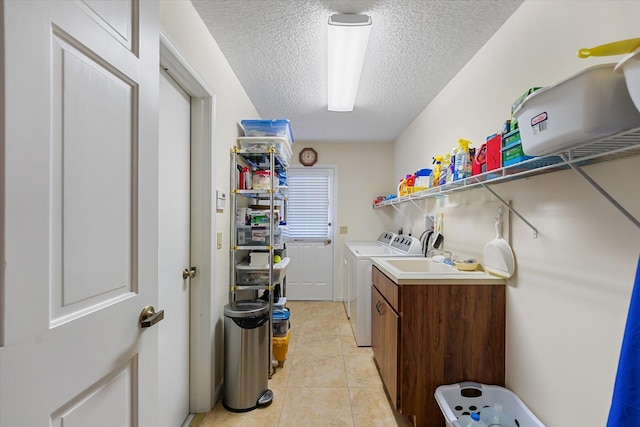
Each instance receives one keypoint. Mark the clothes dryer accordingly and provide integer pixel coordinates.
(358, 267)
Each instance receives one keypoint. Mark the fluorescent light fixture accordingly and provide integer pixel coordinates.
(348, 38)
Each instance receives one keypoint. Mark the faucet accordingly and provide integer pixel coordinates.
(447, 259)
(428, 245)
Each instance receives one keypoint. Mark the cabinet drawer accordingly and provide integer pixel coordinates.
(387, 288)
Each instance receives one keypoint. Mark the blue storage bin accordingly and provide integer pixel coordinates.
(281, 322)
(276, 127)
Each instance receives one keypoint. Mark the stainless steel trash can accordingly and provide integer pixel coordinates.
(246, 355)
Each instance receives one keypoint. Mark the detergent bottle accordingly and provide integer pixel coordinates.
(463, 160)
(445, 169)
(403, 186)
(412, 183)
(437, 169)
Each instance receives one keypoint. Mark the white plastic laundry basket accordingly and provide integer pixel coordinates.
(463, 398)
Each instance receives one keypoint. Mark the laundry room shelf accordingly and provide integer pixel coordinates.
(265, 233)
(613, 147)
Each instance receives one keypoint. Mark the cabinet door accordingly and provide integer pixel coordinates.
(384, 342)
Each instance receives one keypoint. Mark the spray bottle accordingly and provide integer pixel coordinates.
(445, 169)
(463, 160)
(451, 169)
(437, 169)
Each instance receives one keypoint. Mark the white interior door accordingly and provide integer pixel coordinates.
(310, 246)
(79, 200)
(173, 251)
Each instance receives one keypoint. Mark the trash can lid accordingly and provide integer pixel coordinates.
(247, 308)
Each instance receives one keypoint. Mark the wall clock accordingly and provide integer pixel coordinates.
(308, 156)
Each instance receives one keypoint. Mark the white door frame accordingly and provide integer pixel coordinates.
(202, 389)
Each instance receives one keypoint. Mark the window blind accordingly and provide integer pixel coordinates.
(308, 208)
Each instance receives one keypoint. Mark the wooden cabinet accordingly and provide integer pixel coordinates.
(384, 341)
(424, 336)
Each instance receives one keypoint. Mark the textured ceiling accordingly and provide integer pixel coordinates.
(277, 48)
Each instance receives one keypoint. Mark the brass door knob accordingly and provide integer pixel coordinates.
(149, 316)
(188, 273)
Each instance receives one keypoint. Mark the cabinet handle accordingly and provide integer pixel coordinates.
(378, 304)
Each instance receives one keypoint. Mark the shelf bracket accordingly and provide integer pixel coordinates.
(511, 209)
(601, 190)
(418, 206)
(400, 212)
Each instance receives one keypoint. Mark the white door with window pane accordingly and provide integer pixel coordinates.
(310, 245)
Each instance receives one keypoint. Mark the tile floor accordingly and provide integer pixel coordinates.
(326, 380)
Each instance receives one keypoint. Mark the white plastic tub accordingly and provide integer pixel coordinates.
(251, 275)
(456, 400)
(630, 66)
(589, 105)
(262, 144)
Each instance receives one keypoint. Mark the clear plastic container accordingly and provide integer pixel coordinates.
(476, 421)
(262, 181)
(249, 275)
(276, 127)
(494, 416)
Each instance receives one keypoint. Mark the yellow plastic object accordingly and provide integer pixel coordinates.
(437, 169)
(403, 188)
(280, 347)
(465, 265)
(615, 48)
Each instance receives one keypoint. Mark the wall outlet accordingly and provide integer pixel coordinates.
(344, 229)
(429, 223)
(219, 240)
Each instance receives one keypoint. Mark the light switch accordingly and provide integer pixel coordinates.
(219, 240)
(344, 229)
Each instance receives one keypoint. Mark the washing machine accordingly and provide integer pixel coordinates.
(357, 269)
(383, 242)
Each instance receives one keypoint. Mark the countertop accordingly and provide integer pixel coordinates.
(440, 276)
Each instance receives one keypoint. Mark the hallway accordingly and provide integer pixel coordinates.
(326, 380)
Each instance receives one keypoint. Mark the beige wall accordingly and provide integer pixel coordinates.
(184, 28)
(364, 172)
(567, 304)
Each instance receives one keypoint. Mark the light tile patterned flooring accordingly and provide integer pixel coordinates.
(326, 380)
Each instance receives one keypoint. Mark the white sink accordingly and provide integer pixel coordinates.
(421, 265)
(420, 270)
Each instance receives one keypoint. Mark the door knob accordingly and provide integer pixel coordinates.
(189, 273)
(149, 316)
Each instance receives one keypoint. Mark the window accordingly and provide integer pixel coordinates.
(308, 215)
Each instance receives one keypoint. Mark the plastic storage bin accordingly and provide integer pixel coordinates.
(276, 127)
(630, 66)
(262, 181)
(259, 259)
(257, 236)
(262, 144)
(456, 400)
(280, 347)
(249, 275)
(589, 105)
(281, 322)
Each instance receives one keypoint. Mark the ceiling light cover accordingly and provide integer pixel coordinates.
(348, 38)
